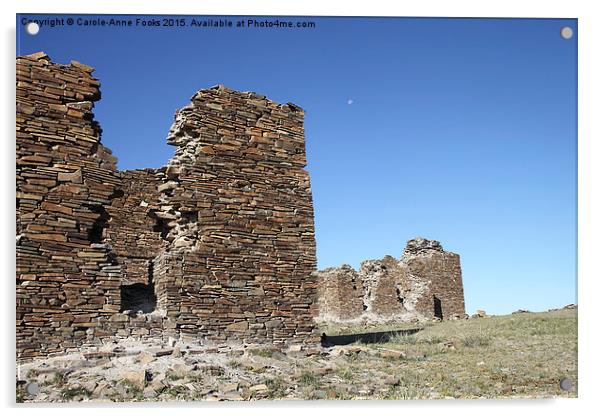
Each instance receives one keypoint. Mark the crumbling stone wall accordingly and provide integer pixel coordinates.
(425, 283)
(384, 282)
(219, 243)
(437, 275)
(134, 231)
(67, 278)
(340, 293)
(239, 219)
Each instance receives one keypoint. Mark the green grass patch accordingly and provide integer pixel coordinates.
(308, 378)
(262, 352)
(277, 387)
(70, 393)
(476, 340)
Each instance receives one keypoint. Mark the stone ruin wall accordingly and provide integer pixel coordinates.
(425, 283)
(340, 294)
(219, 243)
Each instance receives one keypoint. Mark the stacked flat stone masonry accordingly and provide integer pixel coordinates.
(425, 283)
(67, 279)
(341, 294)
(218, 244)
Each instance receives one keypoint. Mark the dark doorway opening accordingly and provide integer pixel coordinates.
(161, 227)
(95, 234)
(138, 297)
(399, 297)
(438, 310)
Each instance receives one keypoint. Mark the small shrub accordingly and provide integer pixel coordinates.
(175, 391)
(476, 341)
(342, 394)
(432, 340)
(59, 379)
(539, 331)
(32, 373)
(276, 387)
(308, 378)
(196, 377)
(346, 374)
(352, 358)
(174, 376)
(132, 388)
(262, 352)
(70, 393)
(20, 397)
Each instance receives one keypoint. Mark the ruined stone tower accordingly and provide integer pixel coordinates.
(425, 283)
(217, 244)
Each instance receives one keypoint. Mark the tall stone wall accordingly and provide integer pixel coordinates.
(219, 243)
(425, 283)
(239, 213)
(67, 278)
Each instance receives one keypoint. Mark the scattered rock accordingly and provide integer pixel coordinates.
(158, 381)
(162, 352)
(89, 385)
(137, 377)
(392, 380)
(392, 354)
(277, 355)
(319, 395)
(149, 392)
(180, 369)
(101, 389)
(44, 378)
(451, 344)
(323, 370)
(232, 396)
(145, 358)
(225, 388)
(352, 350)
(258, 388)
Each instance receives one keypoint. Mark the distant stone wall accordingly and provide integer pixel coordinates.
(438, 275)
(425, 283)
(219, 243)
(340, 293)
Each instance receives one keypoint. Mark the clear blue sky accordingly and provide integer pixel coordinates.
(460, 130)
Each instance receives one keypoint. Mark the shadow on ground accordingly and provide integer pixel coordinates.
(365, 338)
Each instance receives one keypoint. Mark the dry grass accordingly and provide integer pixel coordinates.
(521, 355)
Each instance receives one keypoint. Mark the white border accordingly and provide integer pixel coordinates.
(590, 208)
